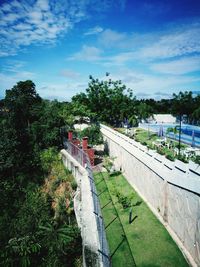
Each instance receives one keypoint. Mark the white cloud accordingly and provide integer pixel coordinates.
(93, 31)
(63, 92)
(110, 38)
(173, 41)
(182, 41)
(179, 66)
(24, 24)
(87, 53)
(142, 82)
(9, 78)
(119, 59)
(13, 66)
(21, 21)
(69, 74)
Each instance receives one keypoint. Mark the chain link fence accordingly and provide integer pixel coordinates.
(83, 159)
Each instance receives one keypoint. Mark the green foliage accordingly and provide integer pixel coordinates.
(93, 133)
(170, 156)
(161, 151)
(48, 157)
(22, 249)
(145, 231)
(150, 146)
(173, 130)
(45, 132)
(182, 158)
(108, 163)
(144, 143)
(111, 102)
(125, 201)
(107, 100)
(61, 244)
(197, 160)
(28, 126)
(144, 111)
(115, 173)
(74, 185)
(196, 113)
(182, 103)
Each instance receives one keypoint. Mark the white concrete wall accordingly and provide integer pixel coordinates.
(173, 195)
(84, 210)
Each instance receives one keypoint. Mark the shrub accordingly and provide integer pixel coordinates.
(125, 201)
(144, 143)
(161, 151)
(197, 160)
(115, 173)
(74, 185)
(93, 133)
(170, 157)
(182, 158)
(108, 163)
(150, 146)
(55, 184)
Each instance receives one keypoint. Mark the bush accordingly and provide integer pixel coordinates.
(107, 164)
(125, 201)
(74, 185)
(115, 173)
(161, 151)
(47, 157)
(182, 158)
(144, 143)
(170, 157)
(93, 133)
(150, 146)
(197, 160)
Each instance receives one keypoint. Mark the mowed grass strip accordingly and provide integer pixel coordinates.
(149, 241)
(122, 256)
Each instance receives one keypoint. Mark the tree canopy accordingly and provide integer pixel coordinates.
(30, 137)
(29, 231)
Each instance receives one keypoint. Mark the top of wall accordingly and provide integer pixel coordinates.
(178, 173)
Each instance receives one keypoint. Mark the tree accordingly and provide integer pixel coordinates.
(28, 125)
(182, 104)
(20, 101)
(144, 111)
(93, 133)
(196, 115)
(110, 100)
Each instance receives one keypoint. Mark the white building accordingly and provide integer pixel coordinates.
(162, 118)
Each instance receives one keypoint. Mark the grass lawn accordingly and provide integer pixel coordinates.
(149, 242)
(148, 138)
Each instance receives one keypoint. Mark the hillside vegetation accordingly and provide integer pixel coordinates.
(37, 222)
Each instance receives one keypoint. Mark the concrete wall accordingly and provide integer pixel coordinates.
(84, 210)
(172, 193)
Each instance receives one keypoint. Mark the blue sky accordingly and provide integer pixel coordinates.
(152, 46)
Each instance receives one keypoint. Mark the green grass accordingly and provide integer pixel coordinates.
(150, 243)
(147, 138)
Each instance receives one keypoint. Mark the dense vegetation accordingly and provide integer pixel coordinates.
(37, 228)
(111, 102)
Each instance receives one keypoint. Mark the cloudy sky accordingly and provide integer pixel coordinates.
(153, 46)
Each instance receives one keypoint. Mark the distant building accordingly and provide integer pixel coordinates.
(162, 118)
